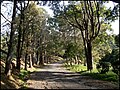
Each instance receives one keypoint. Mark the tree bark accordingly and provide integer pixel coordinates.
(34, 59)
(19, 47)
(30, 63)
(89, 51)
(26, 61)
(41, 61)
(10, 46)
(37, 55)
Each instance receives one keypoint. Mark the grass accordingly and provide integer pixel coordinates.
(110, 76)
(23, 74)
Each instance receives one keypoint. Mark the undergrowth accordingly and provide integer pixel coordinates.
(110, 76)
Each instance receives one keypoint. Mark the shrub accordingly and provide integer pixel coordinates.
(115, 60)
(23, 74)
(110, 58)
(103, 67)
(116, 67)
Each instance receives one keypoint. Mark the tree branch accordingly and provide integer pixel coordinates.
(75, 17)
(92, 21)
(3, 51)
(18, 8)
(98, 18)
(64, 14)
(5, 17)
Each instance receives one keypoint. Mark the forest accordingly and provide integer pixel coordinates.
(77, 35)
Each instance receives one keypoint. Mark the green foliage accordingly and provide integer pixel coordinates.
(116, 67)
(103, 67)
(109, 76)
(76, 68)
(71, 50)
(113, 14)
(110, 58)
(23, 74)
(117, 40)
(115, 60)
(102, 45)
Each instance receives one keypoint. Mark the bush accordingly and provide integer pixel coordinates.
(110, 58)
(115, 60)
(23, 74)
(103, 67)
(116, 67)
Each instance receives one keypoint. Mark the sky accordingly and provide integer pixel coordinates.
(115, 25)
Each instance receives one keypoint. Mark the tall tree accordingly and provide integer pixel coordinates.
(87, 16)
(36, 18)
(20, 35)
(10, 45)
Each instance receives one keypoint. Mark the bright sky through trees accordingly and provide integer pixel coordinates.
(115, 25)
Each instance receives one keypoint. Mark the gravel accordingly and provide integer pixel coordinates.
(55, 76)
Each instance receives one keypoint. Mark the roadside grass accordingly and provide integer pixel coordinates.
(109, 76)
(23, 74)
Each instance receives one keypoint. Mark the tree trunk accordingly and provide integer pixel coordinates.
(26, 61)
(8, 67)
(76, 61)
(30, 63)
(18, 53)
(48, 59)
(18, 61)
(89, 62)
(10, 46)
(34, 59)
(84, 62)
(37, 55)
(19, 47)
(41, 61)
(45, 57)
(71, 61)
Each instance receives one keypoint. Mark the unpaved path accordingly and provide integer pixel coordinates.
(54, 76)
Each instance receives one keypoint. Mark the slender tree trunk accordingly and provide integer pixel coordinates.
(88, 53)
(34, 58)
(26, 54)
(70, 62)
(84, 62)
(18, 51)
(89, 63)
(45, 57)
(30, 63)
(26, 61)
(19, 47)
(48, 60)
(41, 59)
(85, 48)
(10, 46)
(37, 55)
(76, 61)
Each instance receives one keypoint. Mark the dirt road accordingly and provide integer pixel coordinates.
(54, 76)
